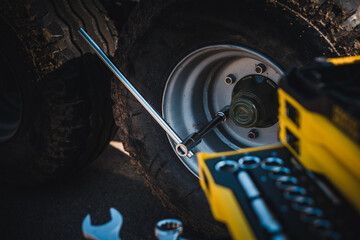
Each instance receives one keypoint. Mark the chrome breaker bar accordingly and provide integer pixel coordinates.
(183, 148)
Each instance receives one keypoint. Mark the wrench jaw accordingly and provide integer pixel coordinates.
(107, 231)
(86, 225)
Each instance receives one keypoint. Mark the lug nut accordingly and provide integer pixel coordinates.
(260, 68)
(229, 79)
(253, 133)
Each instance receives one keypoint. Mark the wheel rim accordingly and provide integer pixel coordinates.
(10, 102)
(196, 90)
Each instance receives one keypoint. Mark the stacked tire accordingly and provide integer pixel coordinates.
(55, 105)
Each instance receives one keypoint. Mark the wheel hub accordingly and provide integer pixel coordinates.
(210, 78)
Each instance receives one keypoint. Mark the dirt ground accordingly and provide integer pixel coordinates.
(57, 211)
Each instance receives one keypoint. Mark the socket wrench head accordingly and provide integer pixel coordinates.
(168, 229)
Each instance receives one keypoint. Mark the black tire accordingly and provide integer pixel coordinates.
(55, 104)
(157, 37)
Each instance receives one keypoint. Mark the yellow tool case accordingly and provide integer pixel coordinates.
(308, 187)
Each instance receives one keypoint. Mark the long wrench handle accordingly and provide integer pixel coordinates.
(132, 89)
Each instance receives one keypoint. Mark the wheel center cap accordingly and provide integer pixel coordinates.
(254, 102)
(243, 111)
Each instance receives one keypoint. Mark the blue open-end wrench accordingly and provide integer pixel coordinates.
(107, 231)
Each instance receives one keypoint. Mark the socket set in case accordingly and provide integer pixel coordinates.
(280, 199)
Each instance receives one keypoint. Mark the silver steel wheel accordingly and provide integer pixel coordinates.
(201, 85)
